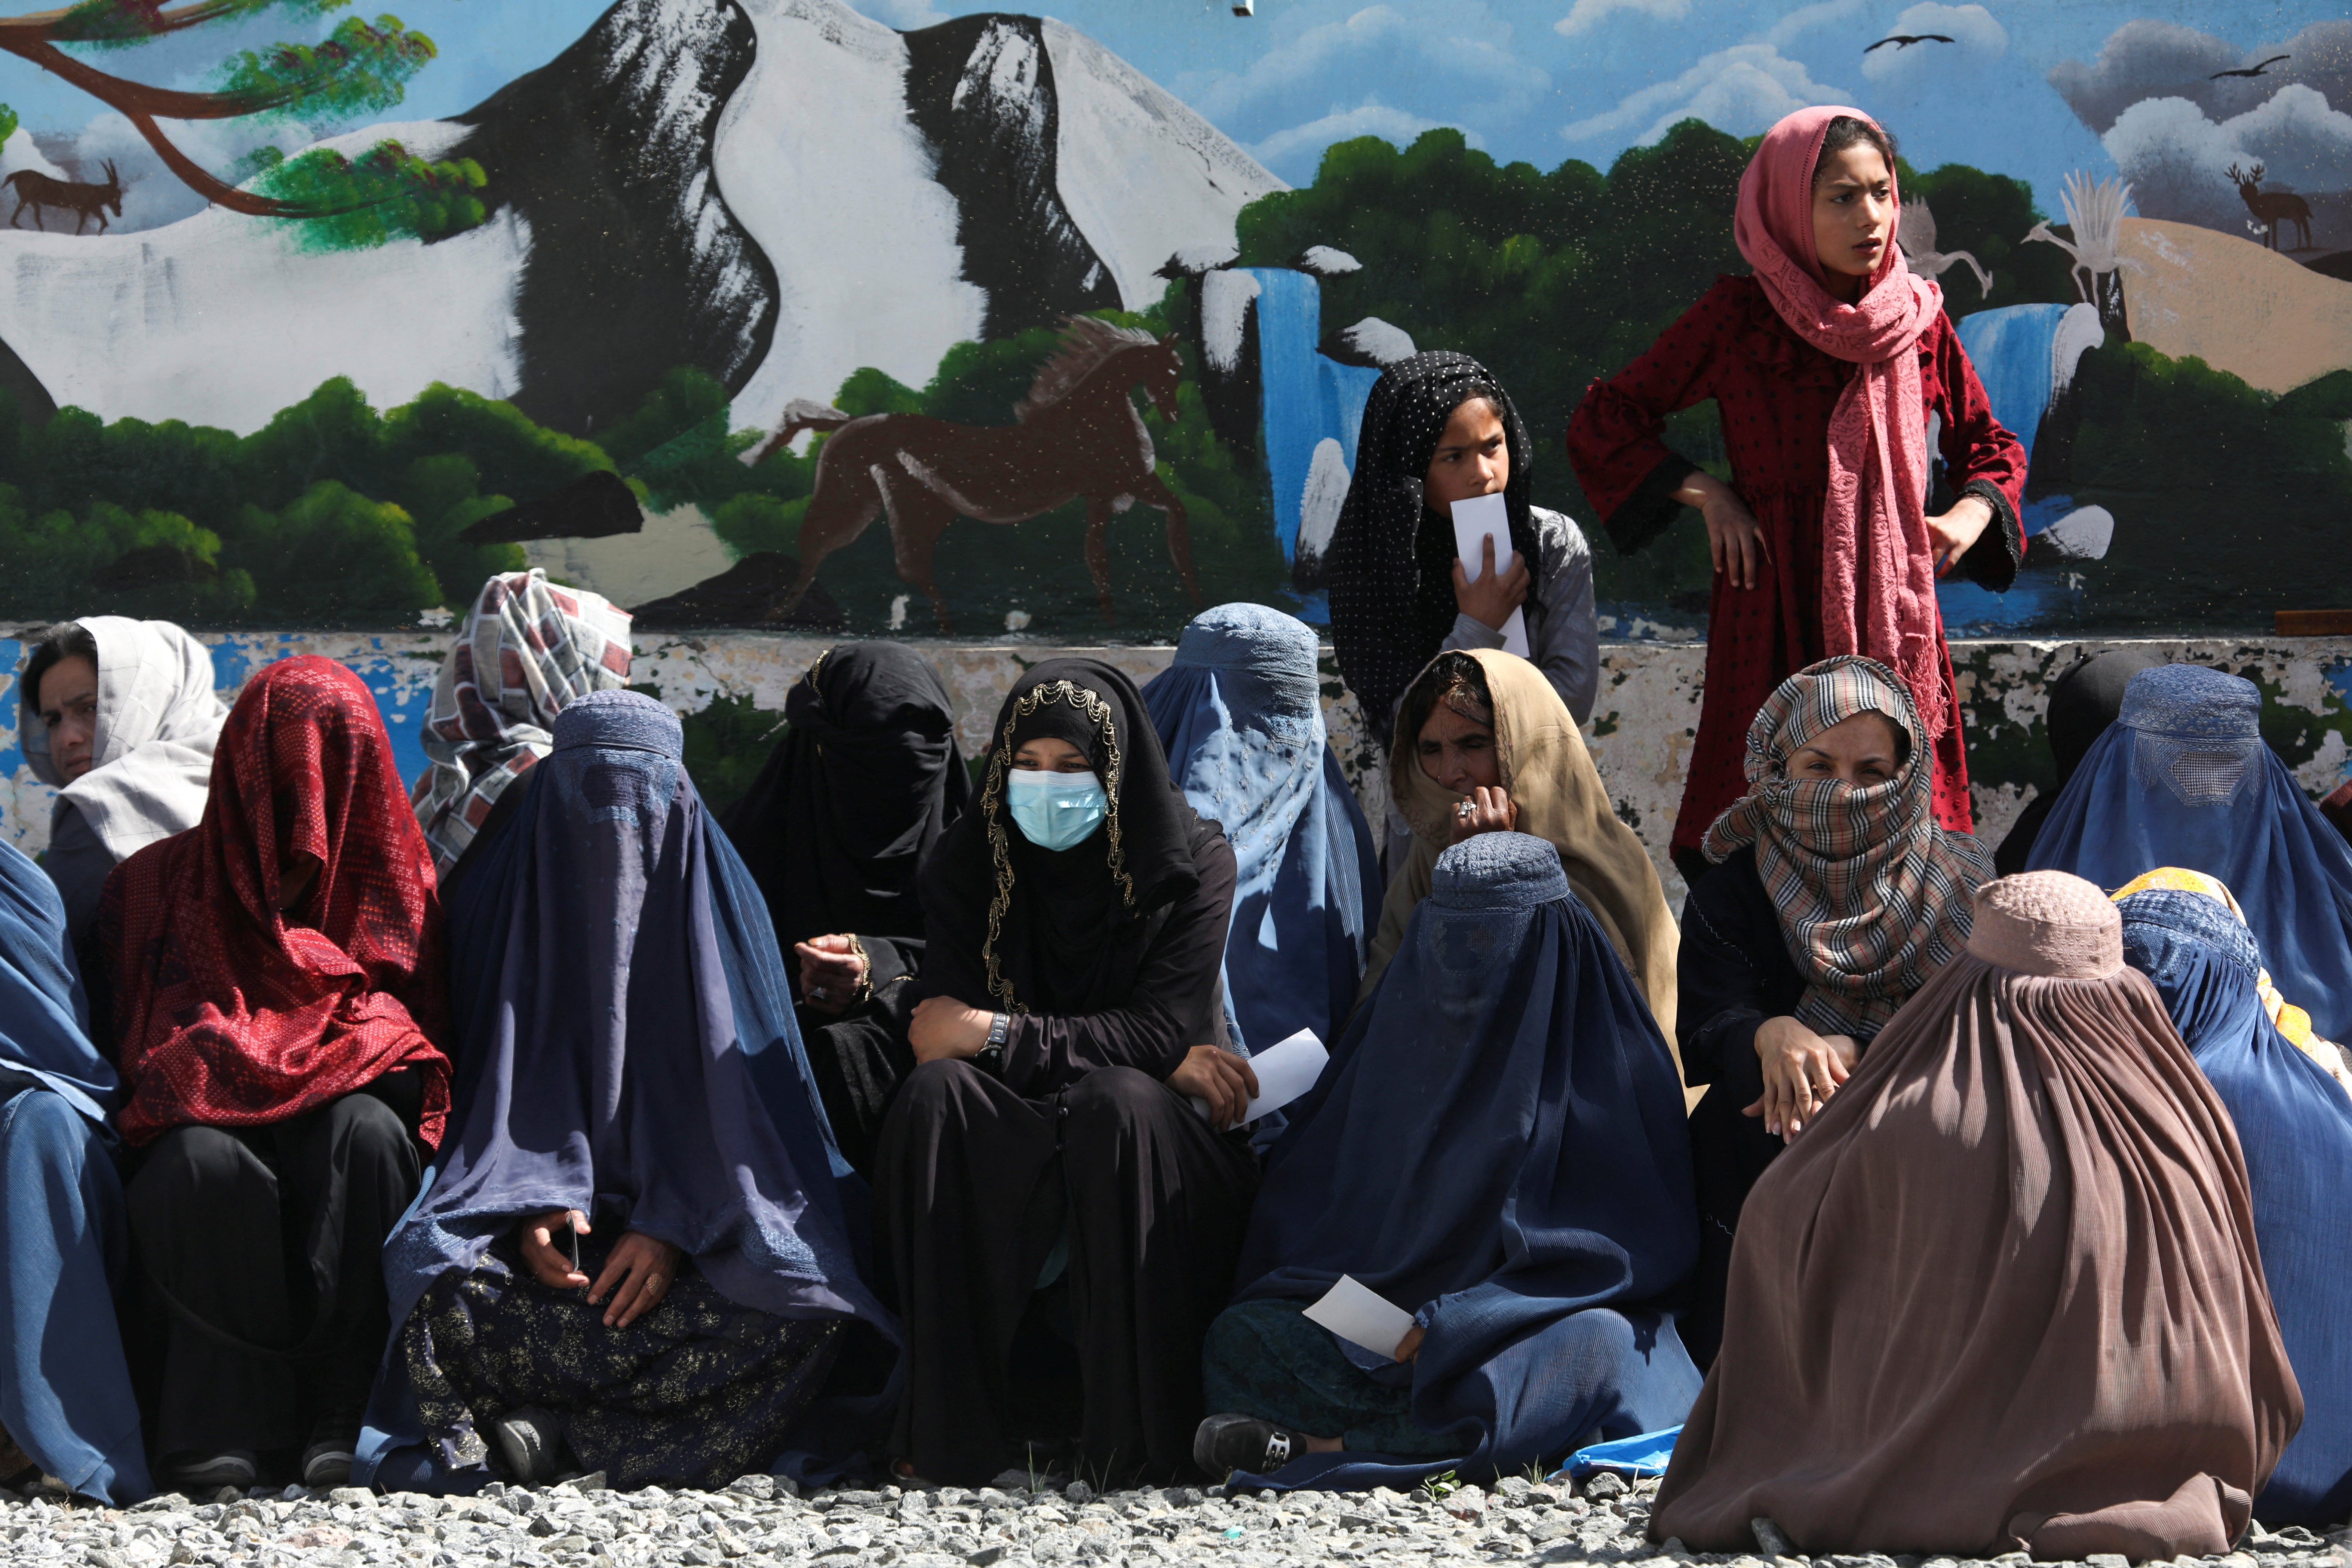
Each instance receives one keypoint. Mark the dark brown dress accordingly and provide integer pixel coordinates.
(2005, 1290)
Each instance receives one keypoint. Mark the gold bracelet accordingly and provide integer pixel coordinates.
(865, 972)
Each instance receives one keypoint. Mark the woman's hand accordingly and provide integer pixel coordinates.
(549, 1265)
(1409, 1347)
(944, 1027)
(635, 1277)
(1734, 541)
(833, 972)
(1490, 600)
(1952, 533)
(1485, 810)
(1219, 1076)
(1801, 1070)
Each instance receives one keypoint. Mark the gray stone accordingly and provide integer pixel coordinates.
(986, 1555)
(1769, 1537)
(1604, 1486)
(2108, 1560)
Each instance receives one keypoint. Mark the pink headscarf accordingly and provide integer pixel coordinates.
(1878, 564)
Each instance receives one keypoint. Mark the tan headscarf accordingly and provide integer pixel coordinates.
(1561, 799)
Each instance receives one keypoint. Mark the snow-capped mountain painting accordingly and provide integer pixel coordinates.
(773, 192)
(1088, 309)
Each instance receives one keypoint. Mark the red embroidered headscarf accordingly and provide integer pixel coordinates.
(227, 1012)
(1878, 564)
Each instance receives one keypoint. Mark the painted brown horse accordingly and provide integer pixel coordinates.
(1077, 435)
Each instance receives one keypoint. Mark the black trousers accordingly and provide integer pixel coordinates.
(973, 1186)
(262, 1253)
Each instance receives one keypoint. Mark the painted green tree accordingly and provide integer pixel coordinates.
(359, 68)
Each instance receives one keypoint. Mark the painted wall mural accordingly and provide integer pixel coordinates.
(912, 318)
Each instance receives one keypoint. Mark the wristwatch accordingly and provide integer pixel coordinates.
(989, 1057)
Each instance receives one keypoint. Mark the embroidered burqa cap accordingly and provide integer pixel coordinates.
(2005, 1292)
(2182, 778)
(1240, 716)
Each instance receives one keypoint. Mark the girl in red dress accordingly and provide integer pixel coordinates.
(1826, 366)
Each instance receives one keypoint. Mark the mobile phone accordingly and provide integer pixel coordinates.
(565, 1240)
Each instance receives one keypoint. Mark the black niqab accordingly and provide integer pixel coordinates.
(835, 827)
(1060, 931)
(2084, 701)
(1391, 572)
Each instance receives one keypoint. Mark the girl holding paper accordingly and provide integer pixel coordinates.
(1438, 428)
(1826, 365)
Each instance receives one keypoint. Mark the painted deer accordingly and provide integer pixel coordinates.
(41, 191)
(2272, 209)
(1075, 436)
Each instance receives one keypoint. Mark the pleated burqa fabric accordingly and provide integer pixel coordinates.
(2005, 1292)
(2295, 1127)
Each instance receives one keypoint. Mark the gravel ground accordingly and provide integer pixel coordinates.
(758, 1522)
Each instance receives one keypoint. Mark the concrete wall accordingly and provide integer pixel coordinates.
(1640, 733)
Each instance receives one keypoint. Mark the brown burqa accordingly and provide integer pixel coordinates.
(2004, 1291)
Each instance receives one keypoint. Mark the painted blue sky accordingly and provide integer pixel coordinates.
(1535, 80)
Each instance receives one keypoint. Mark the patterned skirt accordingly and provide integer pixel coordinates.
(695, 1392)
(1267, 1359)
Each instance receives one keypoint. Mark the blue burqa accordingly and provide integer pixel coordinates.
(65, 1391)
(627, 1049)
(1239, 716)
(2182, 778)
(1499, 1146)
(2294, 1123)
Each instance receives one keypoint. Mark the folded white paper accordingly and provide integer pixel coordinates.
(1361, 1316)
(1286, 1069)
(1474, 521)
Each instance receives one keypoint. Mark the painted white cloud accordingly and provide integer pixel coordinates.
(1810, 18)
(904, 15)
(2145, 60)
(1452, 55)
(1587, 14)
(1742, 90)
(2178, 159)
(1293, 154)
(1976, 39)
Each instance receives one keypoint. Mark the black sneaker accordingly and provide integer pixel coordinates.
(327, 1462)
(531, 1444)
(201, 1474)
(1236, 1442)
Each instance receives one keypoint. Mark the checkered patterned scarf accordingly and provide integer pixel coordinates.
(1873, 896)
(528, 648)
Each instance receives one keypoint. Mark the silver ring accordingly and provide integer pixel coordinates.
(1464, 809)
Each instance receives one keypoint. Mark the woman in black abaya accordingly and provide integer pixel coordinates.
(834, 830)
(1044, 1161)
(835, 826)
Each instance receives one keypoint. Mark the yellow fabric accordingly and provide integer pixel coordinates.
(1560, 797)
(2289, 1019)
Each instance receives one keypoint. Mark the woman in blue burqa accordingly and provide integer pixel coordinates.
(1497, 1148)
(1239, 717)
(635, 1252)
(2182, 778)
(2294, 1122)
(64, 1392)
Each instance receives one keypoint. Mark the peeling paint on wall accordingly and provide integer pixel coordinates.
(730, 688)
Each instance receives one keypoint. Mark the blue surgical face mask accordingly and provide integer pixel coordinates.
(1054, 811)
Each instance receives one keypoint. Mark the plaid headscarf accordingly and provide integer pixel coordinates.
(528, 648)
(1873, 896)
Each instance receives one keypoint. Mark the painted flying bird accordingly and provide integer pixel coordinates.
(1905, 40)
(2251, 70)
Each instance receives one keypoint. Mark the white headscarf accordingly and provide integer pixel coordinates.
(152, 757)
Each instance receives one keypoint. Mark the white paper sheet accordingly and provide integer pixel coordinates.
(1473, 522)
(1286, 1069)
(1361, 1316)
